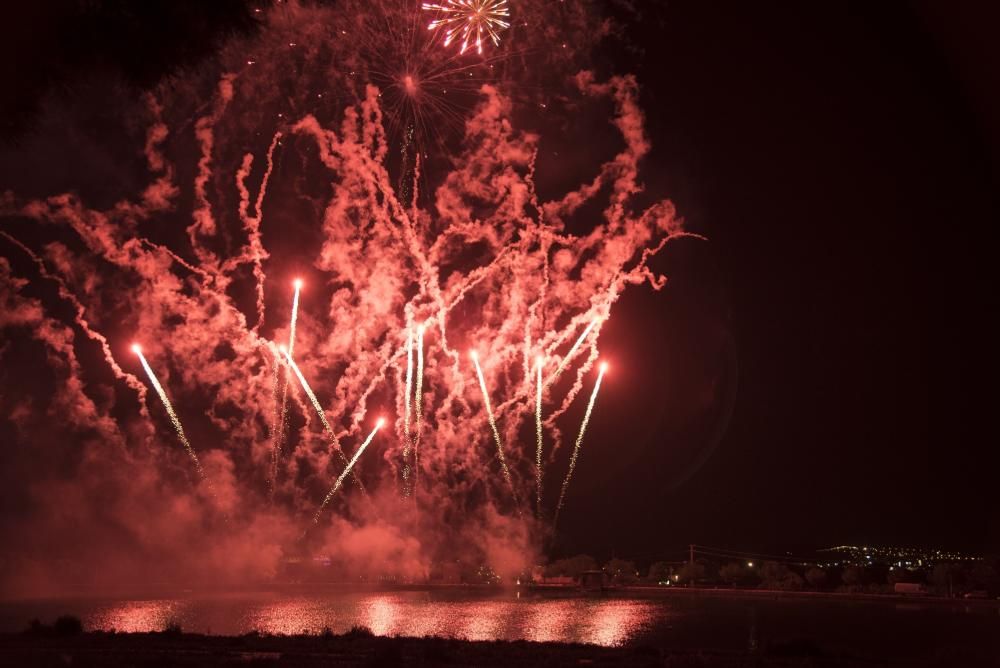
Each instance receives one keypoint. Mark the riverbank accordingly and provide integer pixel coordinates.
(360, 648)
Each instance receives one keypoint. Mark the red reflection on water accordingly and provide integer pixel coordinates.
(614, 622)
(289, 617)
(486, 620)
(547, 621)
(136, 616)
(382, 614)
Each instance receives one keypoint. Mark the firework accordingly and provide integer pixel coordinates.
(319, 409)
(469, 21)
(579, 442)
(572, 351)
(282, 415)
(538, 437)
(406, 413)
(493, 424)
(418, 396)
(178, 427)
(350, 465)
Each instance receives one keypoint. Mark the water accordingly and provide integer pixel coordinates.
(680, 621)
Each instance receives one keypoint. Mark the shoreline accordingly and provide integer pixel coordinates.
(553, 590)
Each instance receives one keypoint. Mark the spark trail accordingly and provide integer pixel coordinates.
(406, 414)
(538, 438)
(579, 442)
(565, 360)
(493, 425)
(178, 427)
(282, 415)
(419, 403)
(350, 465)
(319, 410)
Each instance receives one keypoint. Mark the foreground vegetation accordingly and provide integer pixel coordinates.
(65, 643)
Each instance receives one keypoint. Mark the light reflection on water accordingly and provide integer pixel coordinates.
(675, 621)
(137, 616)
(597, 621)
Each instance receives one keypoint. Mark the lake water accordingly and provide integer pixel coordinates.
(896, 629)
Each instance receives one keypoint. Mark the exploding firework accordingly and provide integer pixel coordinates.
(478, 255)
(579, 442)
(174, 420)
(469, 22)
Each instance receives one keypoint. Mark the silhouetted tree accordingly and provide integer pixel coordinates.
(816, 577)
(621, 571)
(853, 577)
(947, 579)
(571, 566)
(733, 573)
(659, 571)
(692, 572)
(775, 575)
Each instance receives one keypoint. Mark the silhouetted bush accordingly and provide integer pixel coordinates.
(359, 632)
(173, 628)
(68, 625)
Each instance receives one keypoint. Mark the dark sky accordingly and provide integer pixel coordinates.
(841, 159)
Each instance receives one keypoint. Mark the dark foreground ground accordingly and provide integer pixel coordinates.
(360, 648)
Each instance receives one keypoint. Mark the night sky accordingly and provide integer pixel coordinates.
(842, 162)
(820, 371)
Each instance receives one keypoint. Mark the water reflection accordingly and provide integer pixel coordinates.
(614, 622)
(291, 616)
(678, 622)
(137, 616)
(549, 621)
(601, 622)
(382, 614)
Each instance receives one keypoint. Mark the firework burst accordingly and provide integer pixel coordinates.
(470, 22)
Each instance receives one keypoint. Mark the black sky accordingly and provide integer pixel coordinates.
(841, 159)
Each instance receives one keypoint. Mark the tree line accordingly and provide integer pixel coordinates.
(945, 579)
